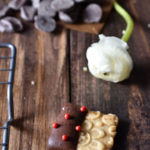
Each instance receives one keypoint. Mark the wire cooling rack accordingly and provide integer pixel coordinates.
(9, 83)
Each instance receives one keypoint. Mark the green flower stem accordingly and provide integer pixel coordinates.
(128, 19)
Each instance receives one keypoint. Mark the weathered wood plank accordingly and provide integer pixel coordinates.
(139, 104)
(55, 63)
(129, 99)
(41, 61)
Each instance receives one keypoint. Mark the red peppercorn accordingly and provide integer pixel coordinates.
(78, 128)
(83, 109)
(67, 116)
(64, 137)
(55, 125)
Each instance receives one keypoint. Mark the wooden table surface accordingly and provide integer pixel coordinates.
(55, 63)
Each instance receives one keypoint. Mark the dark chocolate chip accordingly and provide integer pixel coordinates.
(17, 4)
(6, 26)
(92, 13)
(27, 13)
(45, 23)
(61, 5)
(16, 23)
(65, 17)
(71, 15)
(78, 1)
(35, 3)
(3, 10)
(45, 9)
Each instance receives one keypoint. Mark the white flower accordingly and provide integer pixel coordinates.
(109, 59)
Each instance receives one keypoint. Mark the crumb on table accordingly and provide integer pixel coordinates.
(123, 32)
(32, 82)
(85, 69)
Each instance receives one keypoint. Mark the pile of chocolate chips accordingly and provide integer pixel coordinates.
(44, 13)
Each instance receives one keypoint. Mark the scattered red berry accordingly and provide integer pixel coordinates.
(78, 128)
(64, 137)
(83, 109)
(67, 116)
(55, 125)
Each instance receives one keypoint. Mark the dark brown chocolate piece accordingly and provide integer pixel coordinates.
(27, 13)
(45, 23)
(66, 127)
(79, 1)
(6, 26)
(16, 4)
(65, 17)
(61, 5)
(16, 23)
(10, 24)
(92, 13)
(71, 15)
(35, 3)
(45, 9)
(3, 10)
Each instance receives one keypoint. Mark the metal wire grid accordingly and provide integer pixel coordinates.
(9, 83)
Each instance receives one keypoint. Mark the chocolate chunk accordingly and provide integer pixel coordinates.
(72, 15)
(65, 135)
(16, 23)
(45, 23)
(3, 10)
(45, 9)
(16, 4)
(27, 13)
(10, 24)
(6, 26)
(35, 3)
(92, 13)
(78, 1)
(61, 5)
(65, 17)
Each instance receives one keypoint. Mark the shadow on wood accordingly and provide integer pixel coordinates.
(140, 75)
(19, 124)
(121, 137)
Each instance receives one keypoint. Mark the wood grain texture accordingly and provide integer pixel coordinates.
(55, 63)
(42, 59)
(129, 99)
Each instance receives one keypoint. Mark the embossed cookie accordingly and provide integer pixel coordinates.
(97, 131)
